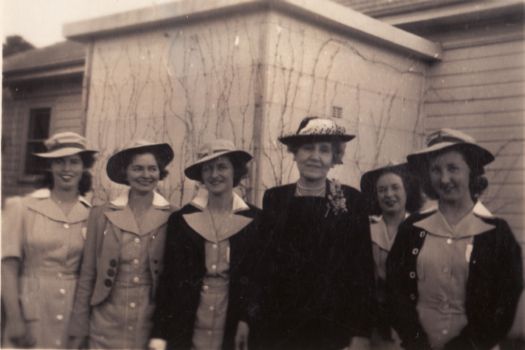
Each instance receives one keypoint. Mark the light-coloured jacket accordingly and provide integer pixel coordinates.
(101, 256)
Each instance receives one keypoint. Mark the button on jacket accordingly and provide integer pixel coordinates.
(488, 261)
(108, 229)
(207, 276)
(49, 245)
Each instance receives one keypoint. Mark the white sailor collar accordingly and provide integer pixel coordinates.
(201, 201)
(44, 193)
(123, 217)
(159, 202)
(201, 221)
(379, 234)
(41, 202)
(470, 225)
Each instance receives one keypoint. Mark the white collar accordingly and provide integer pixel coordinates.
(45, 193)
(121, 201)
(201, 201)
(377, 218)
(482, 211)
(471, 225)
(379, 232)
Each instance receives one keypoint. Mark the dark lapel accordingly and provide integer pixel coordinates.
(239, 243)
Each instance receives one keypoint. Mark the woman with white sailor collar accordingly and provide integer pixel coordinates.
(392, 193)
(454, 274)
(123, 254)
(208, 258)
(43, 235)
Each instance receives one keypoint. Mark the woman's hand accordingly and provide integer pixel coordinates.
(359, 343)
(75, 342)
(241, 336)
(16, 331)
(157, 344)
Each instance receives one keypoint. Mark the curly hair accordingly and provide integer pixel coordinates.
(127, 159)
(86, 180)
(412, 188)
(478, 183)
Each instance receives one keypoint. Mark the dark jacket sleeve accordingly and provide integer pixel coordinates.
(259, 272)
(176, 291)
(163, 314)
(490, 322)
(247, 274)
(360, 267)
(401, 294)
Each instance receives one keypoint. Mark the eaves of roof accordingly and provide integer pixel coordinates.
(45, 60)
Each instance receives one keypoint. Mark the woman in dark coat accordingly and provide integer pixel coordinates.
(201, 298)
(316, 269)
(454, 274)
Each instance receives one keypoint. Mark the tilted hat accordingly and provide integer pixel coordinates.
(316, 129)
(369, 178)
(449, 139)
(212, 150)
(64, 144)
(117, 161)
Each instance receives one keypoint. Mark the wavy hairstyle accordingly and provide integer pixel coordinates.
(478, 183)
(411, 185)
(86, 180)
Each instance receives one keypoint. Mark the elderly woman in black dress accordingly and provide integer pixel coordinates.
(454, 274)
(316, 267)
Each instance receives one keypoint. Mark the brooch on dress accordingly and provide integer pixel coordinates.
(336, 198)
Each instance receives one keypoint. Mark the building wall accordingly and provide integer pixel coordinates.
(62, 96)
(250, 78)
(311, 70)
(176, 84)
(479, 88)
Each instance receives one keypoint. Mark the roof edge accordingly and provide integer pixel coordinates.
(325, 12)
(55, 66)
(345, 18)
(456, 13)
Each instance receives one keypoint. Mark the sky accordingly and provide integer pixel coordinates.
(40, 21)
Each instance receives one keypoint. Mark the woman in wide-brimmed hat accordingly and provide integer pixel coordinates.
(123, 254)
(43, 235)
(203, 290)
(392, 193)
(454, 274)
(316, 267)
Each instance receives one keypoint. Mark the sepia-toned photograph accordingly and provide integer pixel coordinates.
(263, 174)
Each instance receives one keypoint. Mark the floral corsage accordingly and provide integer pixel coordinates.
(336, 199)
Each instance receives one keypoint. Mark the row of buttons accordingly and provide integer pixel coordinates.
(412, 274)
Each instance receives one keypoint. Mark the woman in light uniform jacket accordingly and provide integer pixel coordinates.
(454, 274)
(123, 254)
(43, 235)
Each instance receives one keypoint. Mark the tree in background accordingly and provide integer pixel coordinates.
(14, 44)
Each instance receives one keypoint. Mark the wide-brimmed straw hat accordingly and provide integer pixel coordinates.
(162, 151)
(64, 144)
(212, 150)
(316, 129)
(369, 178)
(450, 139)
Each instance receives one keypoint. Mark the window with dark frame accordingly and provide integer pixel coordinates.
(38, 132)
